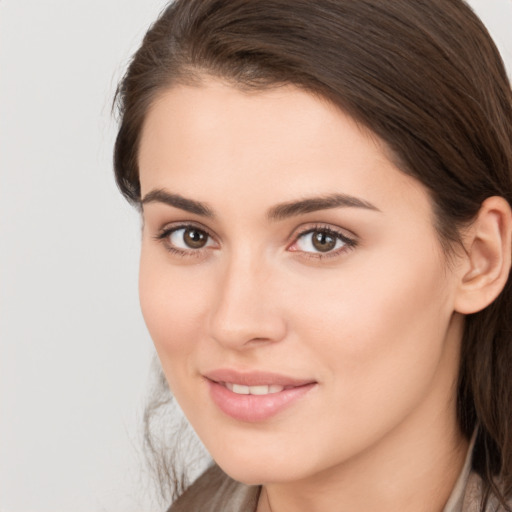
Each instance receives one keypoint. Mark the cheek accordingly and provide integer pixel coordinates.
(172, 308)
(379, 326)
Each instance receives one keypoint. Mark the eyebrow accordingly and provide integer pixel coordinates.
(188, 205)
(279, 212)
(313, 204)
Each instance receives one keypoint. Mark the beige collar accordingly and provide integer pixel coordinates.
(456, 500)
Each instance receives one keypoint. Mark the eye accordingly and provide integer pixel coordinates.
(188, 238)
(185, 240)
(321, 242)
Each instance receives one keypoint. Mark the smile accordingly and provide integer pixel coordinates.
(255, 396)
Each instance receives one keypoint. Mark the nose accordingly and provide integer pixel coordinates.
(246, 310)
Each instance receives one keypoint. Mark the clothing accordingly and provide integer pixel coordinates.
(214, 491)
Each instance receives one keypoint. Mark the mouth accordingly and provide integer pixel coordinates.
(255, 396)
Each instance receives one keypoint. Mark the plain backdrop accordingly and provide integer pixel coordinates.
(74, 352)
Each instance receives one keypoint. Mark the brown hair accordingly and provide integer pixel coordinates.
(423, 75)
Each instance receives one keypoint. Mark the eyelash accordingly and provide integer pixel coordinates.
(348, 243)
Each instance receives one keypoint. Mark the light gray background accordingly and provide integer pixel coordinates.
(74, 353)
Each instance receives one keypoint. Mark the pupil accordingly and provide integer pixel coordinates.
(323, 241)
(195, 238)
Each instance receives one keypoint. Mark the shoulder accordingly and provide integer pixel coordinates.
(215, 491)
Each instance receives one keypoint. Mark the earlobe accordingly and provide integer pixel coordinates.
(488, 245)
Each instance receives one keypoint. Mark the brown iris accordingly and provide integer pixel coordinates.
(195, 238)
(323, 241)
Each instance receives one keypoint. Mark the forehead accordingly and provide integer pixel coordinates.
(214, 141)
(280, 116)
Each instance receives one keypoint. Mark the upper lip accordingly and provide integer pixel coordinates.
(255, 378)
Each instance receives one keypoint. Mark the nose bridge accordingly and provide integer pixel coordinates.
(244, 308)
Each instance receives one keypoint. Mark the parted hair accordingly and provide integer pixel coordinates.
(424, 76)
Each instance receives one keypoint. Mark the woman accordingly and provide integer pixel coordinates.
(325, 189)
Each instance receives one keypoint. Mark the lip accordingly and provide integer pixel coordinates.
(254, 408)
(255, 378)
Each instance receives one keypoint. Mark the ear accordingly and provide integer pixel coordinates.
(486, 264)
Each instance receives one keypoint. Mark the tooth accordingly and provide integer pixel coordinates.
(258, 390)
(240, 390)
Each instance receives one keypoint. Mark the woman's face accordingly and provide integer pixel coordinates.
(292, 281)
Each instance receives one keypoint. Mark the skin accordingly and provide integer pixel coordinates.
(374, 324)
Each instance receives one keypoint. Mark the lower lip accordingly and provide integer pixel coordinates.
(254, 408)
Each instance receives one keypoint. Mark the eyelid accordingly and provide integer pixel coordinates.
(173, 226)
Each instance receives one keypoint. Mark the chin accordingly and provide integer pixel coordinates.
(262, 467)
(257, 474)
